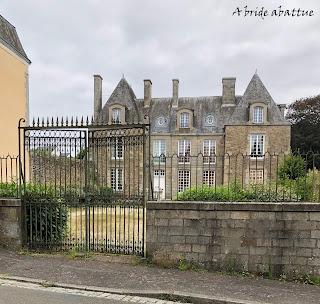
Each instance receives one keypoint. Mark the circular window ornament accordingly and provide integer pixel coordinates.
(209, 120)
(162, 121)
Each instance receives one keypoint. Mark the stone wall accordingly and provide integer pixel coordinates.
(10, 223)
(268, 238)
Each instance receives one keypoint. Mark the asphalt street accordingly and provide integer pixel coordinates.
(17, 295)
(12, 292)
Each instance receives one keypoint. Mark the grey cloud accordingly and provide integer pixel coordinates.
(198, 42)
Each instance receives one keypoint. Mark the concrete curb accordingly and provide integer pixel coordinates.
(157, 294)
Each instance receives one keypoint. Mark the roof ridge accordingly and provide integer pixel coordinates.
(7, 21)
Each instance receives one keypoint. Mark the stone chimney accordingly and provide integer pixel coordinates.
(147, 93)
(228, 92)
(175, 92)
(97, 96)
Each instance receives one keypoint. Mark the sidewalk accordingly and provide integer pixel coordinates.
(121, 274)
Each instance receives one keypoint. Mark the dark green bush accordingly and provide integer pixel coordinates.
(9, 190)
(292, 168)
(46, 216)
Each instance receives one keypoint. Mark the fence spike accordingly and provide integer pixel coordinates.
(67, 123)
(91, 120)
(33, 122)
(38, 122)
(76, 121)
(71, 122)
(52, 123)
(81, 122)
(62, 121)
(47, 121)
(57, 122)
(42, 122)
(87, 121)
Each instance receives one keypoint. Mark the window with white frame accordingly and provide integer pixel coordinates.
(258, 114)
(209, 151)
(159, 151)
(116, 147)
(256, 176)
(208, 178)
(117, 179)
(116, 115)
(183, 180)
(184, 150)
(257, 142)
(185, 120)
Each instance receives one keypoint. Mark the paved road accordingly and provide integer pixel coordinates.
(12, 292)
(16, 295)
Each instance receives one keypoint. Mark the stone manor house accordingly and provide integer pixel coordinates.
(205, 140)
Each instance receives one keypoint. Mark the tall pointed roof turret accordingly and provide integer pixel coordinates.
(124, 95)
(256, 92)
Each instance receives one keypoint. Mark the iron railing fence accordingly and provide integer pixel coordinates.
(87, 179)
(62, 225)
(241, 177)
(9, 176)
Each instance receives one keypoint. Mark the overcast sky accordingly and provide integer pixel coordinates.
(197, 41)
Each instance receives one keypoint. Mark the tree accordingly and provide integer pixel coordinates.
(304, 115)
(292, 168)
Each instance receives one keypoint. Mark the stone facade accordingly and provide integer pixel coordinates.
(199, 137)
(256, 237)
(10, 223)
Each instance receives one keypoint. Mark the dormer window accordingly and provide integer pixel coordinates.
(184, 120)
(258, 114)
(116, 115)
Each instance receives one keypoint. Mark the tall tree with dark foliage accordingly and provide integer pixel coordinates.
(304, 114)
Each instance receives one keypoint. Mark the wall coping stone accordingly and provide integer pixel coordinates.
(234, 206)
(10, 202)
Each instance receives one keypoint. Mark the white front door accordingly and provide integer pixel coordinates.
(159, 182)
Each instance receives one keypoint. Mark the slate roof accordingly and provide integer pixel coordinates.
(256, 92)
(9, 37)
(200, 106)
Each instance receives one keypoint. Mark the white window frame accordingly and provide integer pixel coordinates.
(255, 141)
(116, 115)
(208, 178)
(184, 150)
(117, 147)
(209, 151)
(159, 151)
(116, 179)
(184, 120)
(184, 178)
(258, 114)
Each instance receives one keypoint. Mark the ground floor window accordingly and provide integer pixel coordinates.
(117, 179)
(208, 178)
(183, 180)
(256, 176)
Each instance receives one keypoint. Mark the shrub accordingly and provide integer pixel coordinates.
(9, 190)
(232, 192)
(46, 215)
(292, 168)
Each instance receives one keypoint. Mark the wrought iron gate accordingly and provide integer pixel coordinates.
(84, 186)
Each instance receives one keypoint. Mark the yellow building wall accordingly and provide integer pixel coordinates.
(13, 99)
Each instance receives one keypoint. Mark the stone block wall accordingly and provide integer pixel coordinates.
(10, 223)
(268, 238)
